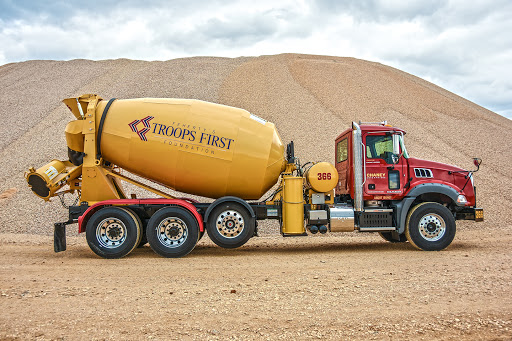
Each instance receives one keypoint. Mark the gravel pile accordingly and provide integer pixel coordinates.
(311, 99)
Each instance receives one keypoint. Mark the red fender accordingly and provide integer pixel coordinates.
(84, 218)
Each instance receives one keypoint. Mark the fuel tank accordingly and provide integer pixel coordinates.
(191, 146)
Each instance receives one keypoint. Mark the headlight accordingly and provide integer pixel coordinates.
(461, 199)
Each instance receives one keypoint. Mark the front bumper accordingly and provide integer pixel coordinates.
(470, 213)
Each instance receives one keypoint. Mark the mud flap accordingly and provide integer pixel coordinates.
(59, 237)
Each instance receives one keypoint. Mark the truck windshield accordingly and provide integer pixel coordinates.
(402, 147)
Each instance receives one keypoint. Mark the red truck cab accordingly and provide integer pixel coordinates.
(391, 179)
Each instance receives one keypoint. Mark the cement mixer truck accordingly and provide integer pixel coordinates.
(235, 157)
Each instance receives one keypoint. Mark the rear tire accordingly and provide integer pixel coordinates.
(230, 225)
(430, 226)
(113, 232)
(388, 236)
(172, 232)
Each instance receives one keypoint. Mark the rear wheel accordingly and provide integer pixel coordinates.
(230, 225)
(143, 237)
(430, 226)
(389, 237)
(113, 232)
(172, 232)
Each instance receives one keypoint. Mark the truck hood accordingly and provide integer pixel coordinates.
(440, 172)
(419, 163)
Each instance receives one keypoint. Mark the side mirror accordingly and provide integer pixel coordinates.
(396, 144)
(477, 162)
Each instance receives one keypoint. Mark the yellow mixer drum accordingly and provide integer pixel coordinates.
(192, 146)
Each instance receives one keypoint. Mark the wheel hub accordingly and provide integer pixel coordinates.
(172, 232)
(230, 224)
(111, 233)
(114, 232)
(432, 227)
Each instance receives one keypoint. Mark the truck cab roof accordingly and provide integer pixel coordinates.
(374, 128)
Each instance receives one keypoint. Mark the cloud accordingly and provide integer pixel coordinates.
(381, 10)
(464, 48)
(470, 58)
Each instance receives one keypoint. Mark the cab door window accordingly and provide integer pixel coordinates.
(380, 147)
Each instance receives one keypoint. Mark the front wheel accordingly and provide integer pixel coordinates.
(430, 226)
(172, 232)
(230, 225)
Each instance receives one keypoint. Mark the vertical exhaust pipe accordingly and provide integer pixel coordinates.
(357, 152)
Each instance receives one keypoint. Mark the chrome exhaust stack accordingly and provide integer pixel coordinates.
(357, 152)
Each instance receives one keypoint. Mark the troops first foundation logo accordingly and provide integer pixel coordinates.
(141, 130)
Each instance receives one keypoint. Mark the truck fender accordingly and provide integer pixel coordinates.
(403, 206)
(84, 218)
(231, 199)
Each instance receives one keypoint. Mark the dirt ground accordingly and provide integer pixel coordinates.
(345, 286)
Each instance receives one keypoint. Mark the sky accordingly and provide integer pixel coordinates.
(462, 46)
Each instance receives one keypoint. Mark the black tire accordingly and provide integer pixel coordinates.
(143, 237)
(142, 227)
(172, 232)
(113, 232)
(430, 226)
(230, 225)
(388, 236)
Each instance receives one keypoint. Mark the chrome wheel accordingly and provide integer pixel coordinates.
(230, 224)
(111, 233)
(172, 232)
(432, 227)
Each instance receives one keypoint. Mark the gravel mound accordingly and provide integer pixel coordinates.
(311, 99)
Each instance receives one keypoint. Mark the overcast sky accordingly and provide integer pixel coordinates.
(463, 46)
